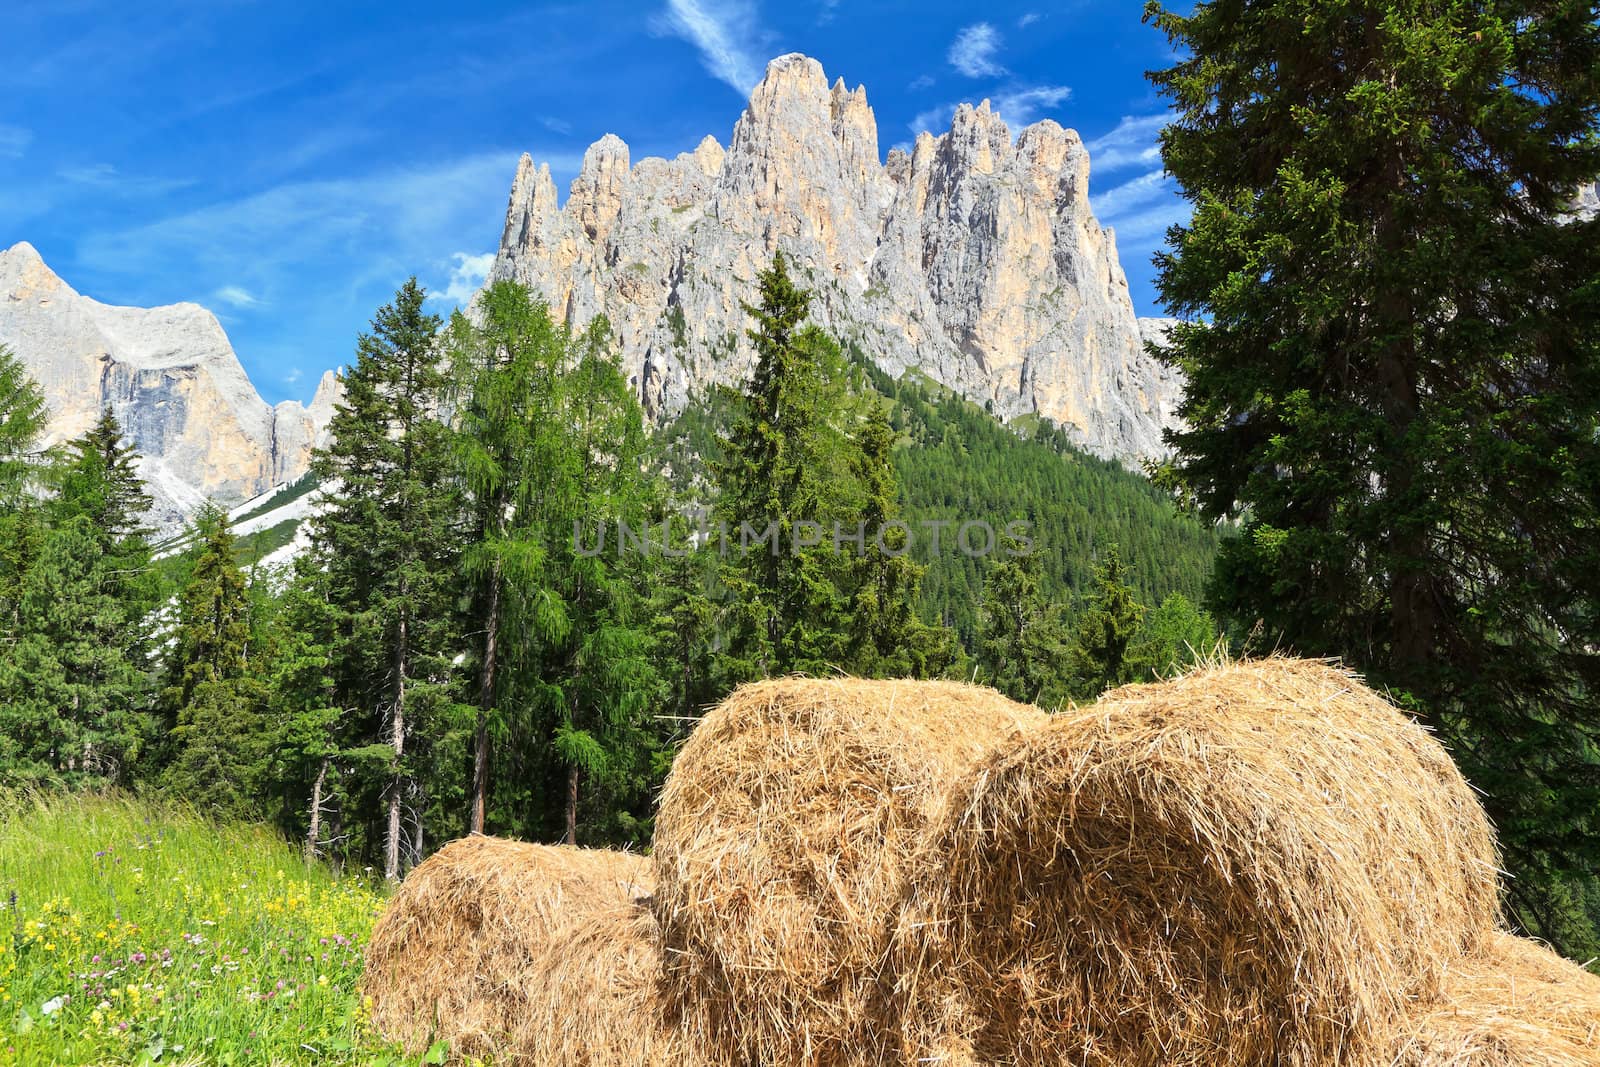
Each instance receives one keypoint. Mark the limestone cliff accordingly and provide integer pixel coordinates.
(974, 258)
(171, 378)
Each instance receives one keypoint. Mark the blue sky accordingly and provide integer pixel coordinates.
(288, 164)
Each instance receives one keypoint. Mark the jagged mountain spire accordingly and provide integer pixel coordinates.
(974, 258)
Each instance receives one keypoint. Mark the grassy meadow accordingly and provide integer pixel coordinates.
(136, 934)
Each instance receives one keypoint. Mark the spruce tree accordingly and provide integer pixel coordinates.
(387, 540)
(1392, 370)
(306, 738)
(214, 699)
(1102, 654)
(888, 639)
(74, 693)
(786, 463)
(1022, 639)
(23, 417)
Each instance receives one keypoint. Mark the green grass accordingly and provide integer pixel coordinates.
(139, 934)
(304, 485)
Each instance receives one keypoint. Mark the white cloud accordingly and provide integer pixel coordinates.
(725, 31)
(107, 178)
(237, 296)
(1028, 20)
(973, 51)
(465, 277)
(1141, 190)
(14, 141)
(333, 249)
(1141, 209)
(935, 120)
(1133, 143)
(379, 220)
(921, 81)
(1020, 107)
(555, 125)
(292, 377)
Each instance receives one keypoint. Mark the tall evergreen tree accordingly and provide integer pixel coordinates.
(212, 696)
(888, 640)
(1022, 638)
(1392, 369)
(23, 417)
(786, 463)
(387, 540)
(1175, 636)
(74, 694)
(604, 676)
(303, 690)
(1102, 654)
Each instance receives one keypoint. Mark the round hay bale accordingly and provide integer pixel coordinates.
(452, 954)
(597, 1000)
(1515, 1004)
(1253, 864)
(781, 848)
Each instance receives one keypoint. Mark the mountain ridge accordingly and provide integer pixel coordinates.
(975, 258)
(171, 377)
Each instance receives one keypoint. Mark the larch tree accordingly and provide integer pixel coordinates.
(513, 457)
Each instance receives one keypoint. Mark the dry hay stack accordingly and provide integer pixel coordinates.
(597, 1000)
(484, 938)
(1251, 864)
(1515, 1004)
(781, 850)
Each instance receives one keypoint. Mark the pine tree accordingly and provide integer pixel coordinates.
(387, 540)
(74, 693)
(1102, 650)
(786, 463)
(214, 700)
(1393, 377)
(1022, 638)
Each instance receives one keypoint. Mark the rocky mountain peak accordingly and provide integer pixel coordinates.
(975, 258)
(708, 156)
(170, 376)
(595, 199)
